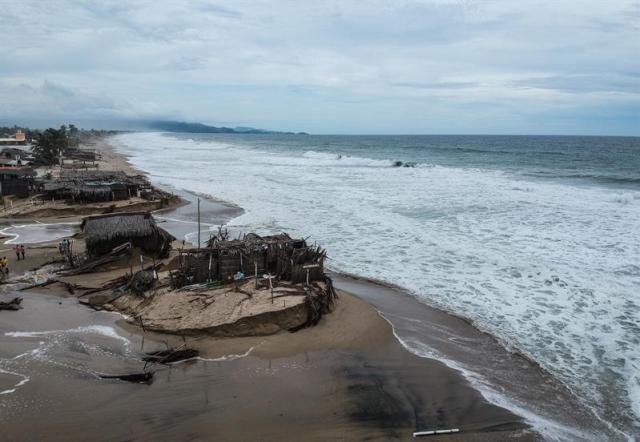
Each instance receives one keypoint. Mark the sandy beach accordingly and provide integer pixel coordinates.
(347, 378)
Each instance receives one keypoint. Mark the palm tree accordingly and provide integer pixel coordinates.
(50, 144)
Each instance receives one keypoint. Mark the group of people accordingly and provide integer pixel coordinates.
(19, 249)
(4, 262)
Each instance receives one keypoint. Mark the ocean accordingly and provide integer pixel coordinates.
(534, 239)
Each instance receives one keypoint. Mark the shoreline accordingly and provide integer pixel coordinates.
(447, 374)
(506, 391)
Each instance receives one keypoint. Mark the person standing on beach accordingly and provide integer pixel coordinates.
(22, 250)
(17, 250)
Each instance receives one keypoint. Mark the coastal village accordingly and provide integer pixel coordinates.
(123, 260)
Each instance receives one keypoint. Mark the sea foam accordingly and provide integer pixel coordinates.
(544, 270)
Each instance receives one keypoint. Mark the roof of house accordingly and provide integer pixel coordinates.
(111, 226)
(20, 171)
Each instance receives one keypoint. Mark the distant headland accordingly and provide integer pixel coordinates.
(181, 126)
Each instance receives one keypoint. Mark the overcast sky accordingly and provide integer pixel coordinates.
(347, 66)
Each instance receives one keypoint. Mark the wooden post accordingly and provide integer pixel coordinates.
(198, 223)
(269, 276)
(255, 265)
(210, 259)
(141, 263)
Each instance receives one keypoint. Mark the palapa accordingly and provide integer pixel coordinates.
(104, 232)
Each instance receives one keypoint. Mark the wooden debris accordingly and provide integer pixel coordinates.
(115, 254)
(140, 378)
(170, 355)
(14, 304)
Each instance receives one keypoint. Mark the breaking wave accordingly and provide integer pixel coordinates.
(535, 268)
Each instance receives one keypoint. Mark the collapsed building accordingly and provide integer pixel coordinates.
(281, 256)
(252, 285)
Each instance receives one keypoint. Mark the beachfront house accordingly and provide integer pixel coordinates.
(19, 139)
(103, 233)
(75, 158)
(16, 181)
(14, 156)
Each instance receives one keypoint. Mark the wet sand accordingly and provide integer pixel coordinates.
(347, 378)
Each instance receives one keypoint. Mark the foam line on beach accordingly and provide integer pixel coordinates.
(23, 381)
(95, 329)
(227, 357)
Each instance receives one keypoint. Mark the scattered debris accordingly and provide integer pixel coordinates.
(171, 355)
(14, 304)
(140, 378)
(435, 432)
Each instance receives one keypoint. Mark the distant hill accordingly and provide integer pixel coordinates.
(181, 126)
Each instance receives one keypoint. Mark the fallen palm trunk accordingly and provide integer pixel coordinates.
(14, 304)
(140, 378)
(171, 355)
(114, 255)
(319, 301)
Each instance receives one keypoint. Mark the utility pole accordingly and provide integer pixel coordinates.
(198, 223)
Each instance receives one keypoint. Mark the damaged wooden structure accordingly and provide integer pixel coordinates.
(281, 256)
(288, 270)
(89, 186)
(103, 233)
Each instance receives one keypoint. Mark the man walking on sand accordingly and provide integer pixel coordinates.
(22, 250)
(17, 250)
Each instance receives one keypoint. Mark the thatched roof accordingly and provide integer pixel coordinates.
(103, 232)
(132, 224)
(118, 176)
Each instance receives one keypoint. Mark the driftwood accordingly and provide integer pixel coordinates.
(319, 301)
(140, 378)
(14, 304)
(170, 355)
(112, 256)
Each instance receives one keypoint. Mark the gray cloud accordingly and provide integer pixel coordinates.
(325, 66)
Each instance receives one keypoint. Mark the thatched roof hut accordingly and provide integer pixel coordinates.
(104, 232)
